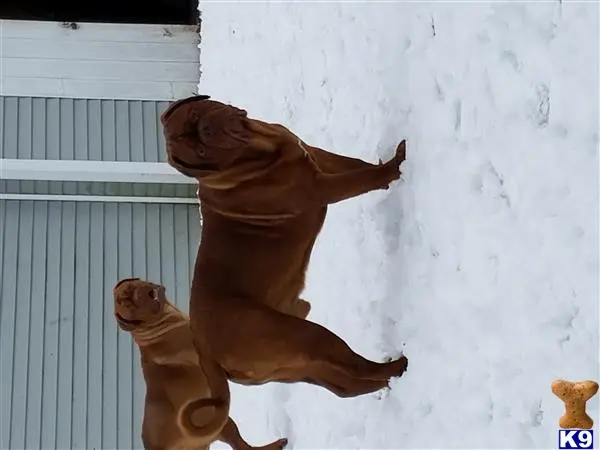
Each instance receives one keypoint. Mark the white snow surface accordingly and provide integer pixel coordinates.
(481, 264)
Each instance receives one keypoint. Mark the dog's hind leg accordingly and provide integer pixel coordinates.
(340, 383)
(334, 358)
(271, 346)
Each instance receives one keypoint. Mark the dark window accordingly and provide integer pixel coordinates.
(168, 12)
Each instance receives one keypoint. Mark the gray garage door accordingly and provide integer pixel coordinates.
(69, 377)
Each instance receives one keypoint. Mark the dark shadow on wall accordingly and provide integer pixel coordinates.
(164, 12)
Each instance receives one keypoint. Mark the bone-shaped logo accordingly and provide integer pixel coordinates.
(575, 394)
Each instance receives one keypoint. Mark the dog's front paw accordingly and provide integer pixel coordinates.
(392, 167)
(400, 155)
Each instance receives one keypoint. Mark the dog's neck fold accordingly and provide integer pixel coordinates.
(265, 141)
(150, 333)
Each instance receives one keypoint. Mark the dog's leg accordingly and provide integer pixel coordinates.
(340, 383)
(334, 360)
(335, 187)
(231, 435)
(330, 162)
(281, 347)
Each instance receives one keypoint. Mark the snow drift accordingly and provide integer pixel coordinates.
(482, 263)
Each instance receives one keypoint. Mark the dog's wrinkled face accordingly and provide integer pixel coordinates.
(204, 135)
(138, 302)
(217, 125)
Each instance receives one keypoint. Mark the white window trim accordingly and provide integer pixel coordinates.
(99, 198)
(102, 171)
(98, 60)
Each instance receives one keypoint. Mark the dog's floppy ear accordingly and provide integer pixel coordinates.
(125, 280)
(173, 106)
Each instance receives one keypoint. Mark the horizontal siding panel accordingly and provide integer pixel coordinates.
(70, 377)
(99, 32)
(100, 71)
(82, 129)
(118, 61)
(108, 89)
(19, 48)
(97, 188)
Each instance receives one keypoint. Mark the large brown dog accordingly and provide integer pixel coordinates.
(187, 395)
(264, 196)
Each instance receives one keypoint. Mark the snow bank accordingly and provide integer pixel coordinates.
(482, 264)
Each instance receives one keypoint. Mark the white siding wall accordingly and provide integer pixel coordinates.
(95, 60)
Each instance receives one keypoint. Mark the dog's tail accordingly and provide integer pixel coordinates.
(204, 418)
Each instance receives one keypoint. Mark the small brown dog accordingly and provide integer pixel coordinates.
(187, 395)
(264, 196)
